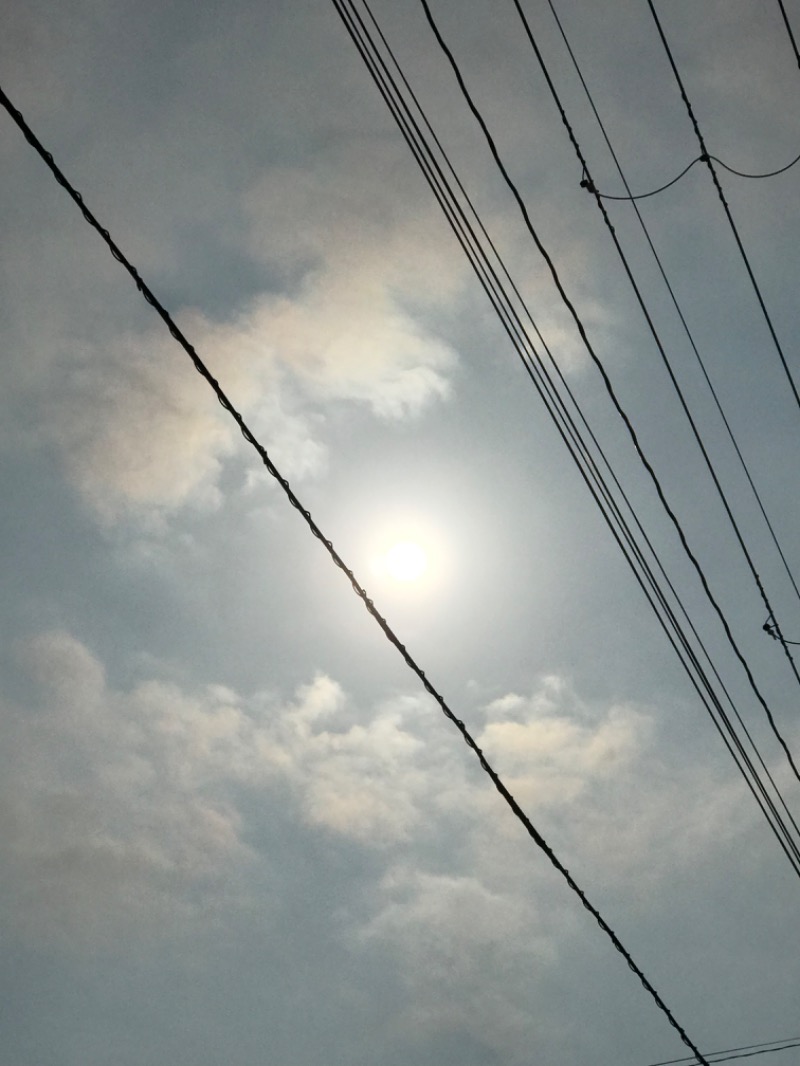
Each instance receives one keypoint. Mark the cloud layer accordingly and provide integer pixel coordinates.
(129, 804)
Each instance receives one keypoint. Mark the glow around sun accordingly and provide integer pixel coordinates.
(406, 561)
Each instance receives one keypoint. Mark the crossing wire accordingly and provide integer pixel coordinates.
(360, 592)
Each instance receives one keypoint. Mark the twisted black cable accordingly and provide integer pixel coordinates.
(608, 385)
(493, 286)
(388, 632)
(717, 185)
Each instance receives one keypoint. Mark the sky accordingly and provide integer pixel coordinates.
(234, 827)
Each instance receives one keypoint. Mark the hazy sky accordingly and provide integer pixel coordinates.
(233, 828)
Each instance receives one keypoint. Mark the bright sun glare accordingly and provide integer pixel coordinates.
(406, 561)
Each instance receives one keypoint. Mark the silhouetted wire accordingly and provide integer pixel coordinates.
(717, 185)
(608, 385)
(491, 283)
(788, 26)
(676, 305)
(588, 184)
(388, 632)
(728, 1055)
(684, 405)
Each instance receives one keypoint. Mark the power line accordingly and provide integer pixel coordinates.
(747, 1052)
(681, 398)
(673, 297)
(707, 159)
(568, 430)
(388, 632)
(607, 382)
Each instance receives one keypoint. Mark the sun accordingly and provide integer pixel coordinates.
(406, 561)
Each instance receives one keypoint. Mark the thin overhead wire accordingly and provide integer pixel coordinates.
(675, 386)
(789, 31)
(610, 388)
(587, 184)
(618, 526)
(707, 159)
(689, 335)
(729, 1054)
(360, 592)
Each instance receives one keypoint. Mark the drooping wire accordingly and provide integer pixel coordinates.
(360, 592)
(673, 297)
(609, 386)
(682, 400)
(729, 1054)
(587, 184)
(493, 287)
(466, 235)
(707, 159)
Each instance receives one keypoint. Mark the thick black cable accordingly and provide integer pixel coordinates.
(681, 398)
(388, 632)
(607, 383)
(676, 305)
(717, 185)
(748, 1051)
(411, 132)
(587, 184)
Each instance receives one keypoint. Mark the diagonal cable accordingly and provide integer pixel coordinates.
(789, 31)
(388, 632)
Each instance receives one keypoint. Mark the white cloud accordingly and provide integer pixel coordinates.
(115, 801)
(551, 748)
(126, 804)
(361, 232)
(136, 427)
